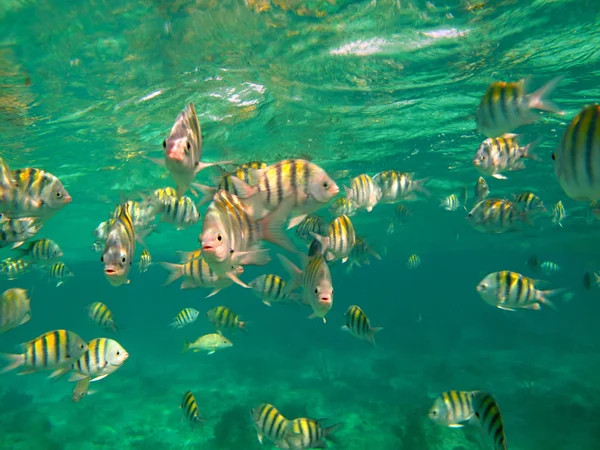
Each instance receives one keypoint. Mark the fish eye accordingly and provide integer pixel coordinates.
(434, 412)
(219, 238)
(470, 215)
(164, 143)
(553, 157)
(325, 185)
(123, 259)
(316, 290)
(58, 194)
(118, 353)
(102, 258)
(189, 146)
(82, 346)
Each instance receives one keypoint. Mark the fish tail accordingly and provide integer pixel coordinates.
(542, 297)
(328, 432)
(540, 99)
(272, 226)
(242, 326)
(176, 271)
(372, 332)
(14, 361)
(323, 240)
(294, 271)
(528, 150)
(419, 185)
(186, 345)
(207, 192)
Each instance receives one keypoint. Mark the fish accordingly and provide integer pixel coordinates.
(311, 224)
(101, 231)
(209, 343)
(60, 273)
(183, 151)
(304, 433)
(51, 350)
(482, 190)
(15, 309)
(343, 205)
(101, 316)
(119, 249)
(497, 155)
(396, 186)
(576, 159)
(413, 261)
(529, 203)
(270, 423)
(142, 217)
(222, 318)
(17, 231)
(41, 251)
(360, 254)
(365, 192)
(14, 268)
(315, 280)
(558, 213)
(489, 418)
(190, 410)
(103, 357)
(185, 317)
(271, 289)
(533, 263)
(509, 105)
(549, 267)
(451, 203)
(590, 280)
(340, 239)
(511, 291)
(495, 215)
(307, 184)
(145, 260)
(359, 325)
(81, 390)
(231, 237)
(245, 172)
(180, 211)
(593, 212)
(401, 215)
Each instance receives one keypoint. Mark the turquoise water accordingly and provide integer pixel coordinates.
(89, 89)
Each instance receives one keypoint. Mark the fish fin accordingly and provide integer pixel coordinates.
(160, 162)
(14, 361)
(528, 150)
(76, 376)
(59, 373)
(328, 431)
(372, 332)
(312, 316)
(294, 271)
(187, 256)
(186, 345)
(17, 245)
(345, 328)
(456, 425)
(200, 166)
(323, 240)
(211, 352)
(215, 291)
(349, 193)
(256, 257)
(540, 99)
(369, 208)
(344, 260)
(419, 185)
(244, 190)
(541, 296)
(208, 192)
(260, 438)
(272, 226)
(188, 283)
(267, 302)
(98, 378)
(176, 271)
(504, 308)
(499, 176)
(242, 326)
(296, 220)
(233, 277)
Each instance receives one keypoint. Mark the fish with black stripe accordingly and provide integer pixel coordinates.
(558, 213)
(245, 172)
(142, 217)
(185, 317)
(60, 273)
(101, 316)
(103, 357)
(180, 211)
(14, 268)
(17, 231)
(495, 215)
(511, 291)
(488, 413)
(15, 309)
(360, 254)
(271, 288)
(224, 318)
(270, 423)
(341, 206)
(304, 433)
(311, 224)
(529, 203)
(364, 191)
(509, 105)
(307, 184)
(119, 248)
(339, 241)
(51, 350)
(496, 155)
(397, 186)
(145, 260)
(414, 261)
(359, 325)
(400, 216)
(41, 251)
(190, 410)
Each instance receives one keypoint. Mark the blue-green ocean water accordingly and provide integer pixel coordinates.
(89, 88)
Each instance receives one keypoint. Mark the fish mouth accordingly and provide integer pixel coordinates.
(325, 300)
(67, 199)
(207, 248)
(174, 154)
(110, 271)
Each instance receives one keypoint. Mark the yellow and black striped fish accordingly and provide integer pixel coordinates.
(558, 213)
(396, 186)
(508, 105)
(15, 309)
(270, 289)
(400, 216)
(103, 357)
(245, 172)
(17, 231)
(413, 261)
(529, 203)
(495, 215)
(185, 317)
(189, 407)
(41, 251)
(344, 206)
(364, 191)
(311, 224)
(180, 211)
(270, 423)
(119, 248)
(360, 254)
(145, 260)
(340, 239)
(304, 433)
(490, 419)
(101, 315)
(496, 155)
(358, 324)
(222, 318)
(13, 268)
(60, 273)
(453, 409)
(51, 350)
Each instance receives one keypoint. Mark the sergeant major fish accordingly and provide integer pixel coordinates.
(396, 186)
(359, 325)
(497, 216)
(189, 407)
(271, 288)
(304, 433)
(185, 317)
(270, 423)
(119, 249)
(364, 191)
(340, 239)
(222, 318)
(496, 155)
(101, 316)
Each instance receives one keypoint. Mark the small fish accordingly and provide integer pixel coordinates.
(223, 318)
(490, 419)
(591, 280)
(189, 407)
(401, 216)
(49, 351)
(181, 212)
(529, 203)
(482, 190)
(359, 325)
(558, 213)
(344, 206)
(97, 246)
(451, 203)
(496, 155)
(568, 296)
(396, 186)
(497, 216)
(361, 254)
(317, 287)
(17, 231)
(548, 267)
(60, 273)
(311, 224)
(245, 172)
(364, 191)
(413, 261)
(339, 241)
(304, 433)
(508, 105)
(209, 343)
(41, 251)
(576, 160)
(185, 317)
(270, 423)
(15, 309)
(533, 263)
(145, 260)
(101, 316)
(119, 249)
(142, 217)
(271, 289)
(12, 269)
(511, 291)
(81, 390)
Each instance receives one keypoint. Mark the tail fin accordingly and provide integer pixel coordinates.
(540, 98)
(328, 432)
(349, 193)
(528, 149)
(372, 332)
(550, 293)
(242, 326)
(295, 273)
(272, 226)
(207, 192)
(176, 271)
(14, 361)
(419, 185)
(186, 345)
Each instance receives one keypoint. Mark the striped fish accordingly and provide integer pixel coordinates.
(497, 155)
(482, 190)
(343, 206)
(145, 260)
(533, 263)
(271, 289)
(359, 325)
(17, 231)
(508, 105)
(60, 273)
(270, 423)
(558, 213)
(307, 184)
(400, 216)
(311, 224)
(339, 241)
(103, 357)
(181, 211)
(142, 216)
(162, 194)
(511, 291)
(361, 254)
(450, 203)
(41, 251)
(49, 351)
(316, 284)
(185, 317)
(549, 267)
(304, 433)
(245, 172)
(119, 249)
(413, 261)
(15, 309)
(364, 191)
(223, 318)
(454, 409)
(496, 215)
(101, 316)
(529, 203)
(396, 186)
(189, 407)
(81, 390)
(490, 419)
(12, 269)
